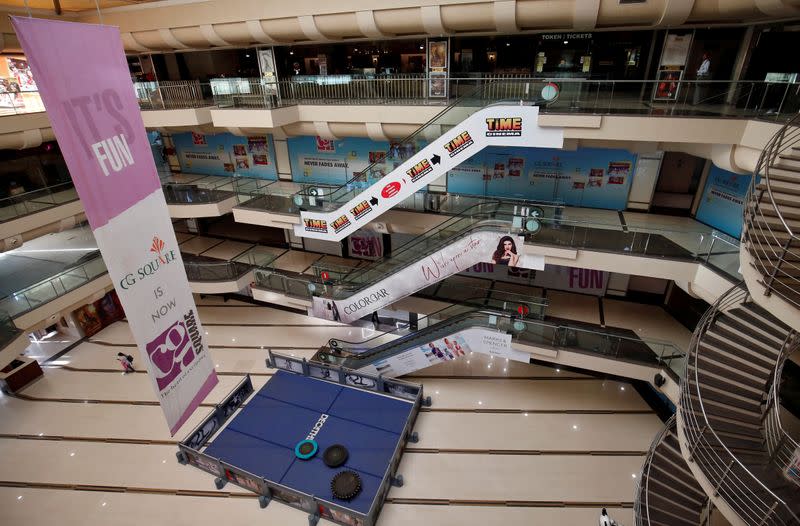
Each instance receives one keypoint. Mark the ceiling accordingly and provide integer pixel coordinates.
(69, 6)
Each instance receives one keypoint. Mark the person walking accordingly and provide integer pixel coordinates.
(126, 361)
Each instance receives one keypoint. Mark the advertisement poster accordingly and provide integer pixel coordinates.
(88, 320)
(587, 177)
(460, 344)
(676, 49)
(365, 245)
(554, 277)
(667, 85)
(318, 160)
(225, 154)
(722, 202)
(507, 126)
(109, 157)
(437, 68)
(18, 91)
(496, 248)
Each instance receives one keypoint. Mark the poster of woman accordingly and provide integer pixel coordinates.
(506, 252)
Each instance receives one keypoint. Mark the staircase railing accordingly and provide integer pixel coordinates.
(733, 482)
(641, 506)
(780, 445)
(774, 249)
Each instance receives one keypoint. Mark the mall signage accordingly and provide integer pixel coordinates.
(490, 126)
(478, 247)
(96, 119)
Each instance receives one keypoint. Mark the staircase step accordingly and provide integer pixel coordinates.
(716, 349)
(676, 475)
(666, 497)
(720, 381)
(725, 396)
(752, 339)
(750, 312)
(713, 407)
(735, 374)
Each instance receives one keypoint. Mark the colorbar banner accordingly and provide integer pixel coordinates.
(83, 77)
(480, 247)
(491, 126)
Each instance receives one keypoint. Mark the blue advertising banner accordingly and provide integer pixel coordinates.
(226, 154)
(317, 160)
(588, 177)
(723, 199)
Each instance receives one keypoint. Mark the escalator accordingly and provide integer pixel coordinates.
(495, 329)
(488, 232)
(496, 114)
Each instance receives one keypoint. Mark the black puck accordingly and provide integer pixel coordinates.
(335, 455)
(345, 485)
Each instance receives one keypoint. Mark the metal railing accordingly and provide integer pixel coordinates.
(722, 98)
(8, 331)
(53, 287)
(732, 481)
(780, 446)
(641, 505)
(37, 200)
(768, 232)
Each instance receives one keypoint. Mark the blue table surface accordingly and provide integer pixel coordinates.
(262, 437)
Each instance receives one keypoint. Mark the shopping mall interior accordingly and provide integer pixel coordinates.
(452, 262)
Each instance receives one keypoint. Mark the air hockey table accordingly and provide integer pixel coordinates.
(255, 440)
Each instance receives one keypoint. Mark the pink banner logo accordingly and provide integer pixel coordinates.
(174, 349)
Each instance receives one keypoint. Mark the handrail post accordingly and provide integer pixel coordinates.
(697, 442)
(769, 514)
(722, 478)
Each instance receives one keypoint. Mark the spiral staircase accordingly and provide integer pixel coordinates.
(726, 447)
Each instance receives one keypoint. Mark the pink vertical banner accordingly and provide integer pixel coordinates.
(83, 78)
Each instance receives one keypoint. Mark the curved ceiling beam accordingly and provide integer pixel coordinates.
(169, 39)
(676, 12)
(375, 131)
(257, 32)
(367, 25)
(584, 14)
(210, 34)
(432, 20)
(309, 28)
(129, 42)
(505, 16)
(776, 8)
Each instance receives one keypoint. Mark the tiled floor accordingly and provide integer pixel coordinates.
(555, 436)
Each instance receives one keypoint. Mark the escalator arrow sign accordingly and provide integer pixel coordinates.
(373, 201)
(435, 159)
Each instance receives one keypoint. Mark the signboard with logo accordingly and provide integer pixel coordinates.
(491, 126)
(723, 200)
(485, 246)
(99, 128)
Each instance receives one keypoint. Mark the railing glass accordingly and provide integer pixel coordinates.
(531, 332)
(34, 201)
(759, 99)
(53, 287)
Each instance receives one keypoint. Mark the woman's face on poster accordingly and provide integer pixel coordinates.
(507, 245)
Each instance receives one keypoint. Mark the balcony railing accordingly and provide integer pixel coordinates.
(34, 201)
(53, 287)
(766, 100)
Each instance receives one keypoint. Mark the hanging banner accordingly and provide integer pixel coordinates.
(484, 246)
(96, 119)
(491, 126)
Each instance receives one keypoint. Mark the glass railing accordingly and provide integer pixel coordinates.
(19, 101)
(34, 201)
(185, 190)
(8, 331)
(53, 287)
(537, 333)
(666, 97)
(199, 268)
